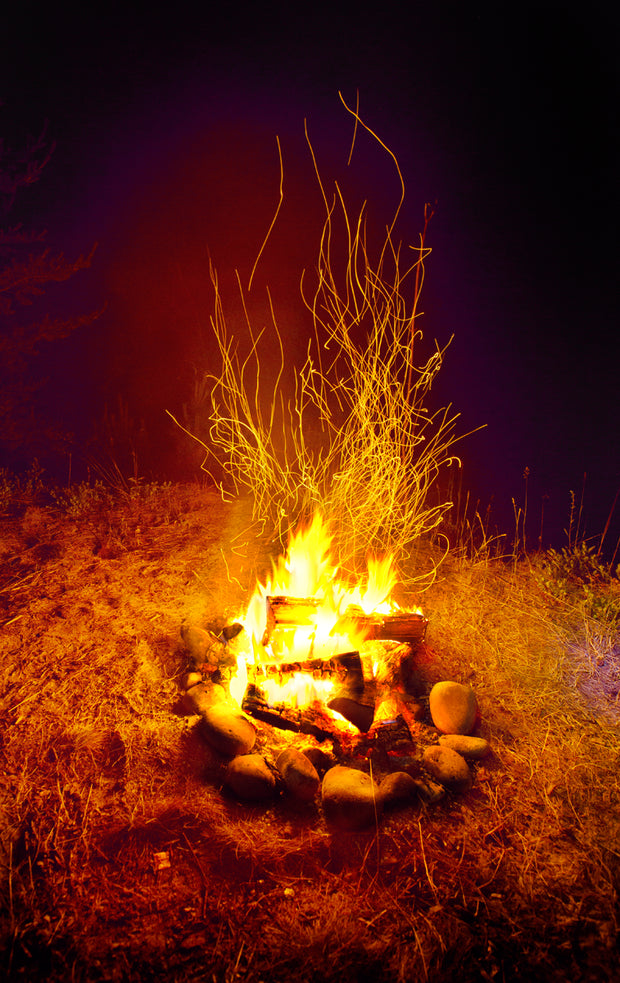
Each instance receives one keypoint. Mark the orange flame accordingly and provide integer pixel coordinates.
(307, 571)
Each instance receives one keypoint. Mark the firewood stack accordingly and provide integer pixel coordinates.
(357, 695)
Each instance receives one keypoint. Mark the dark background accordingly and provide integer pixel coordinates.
(165, 124)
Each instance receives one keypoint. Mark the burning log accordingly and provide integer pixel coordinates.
(349, 701)
(347, 668)
(389, 738)
(359, 714)
(286, 610)
(309, 720)
(402, 626)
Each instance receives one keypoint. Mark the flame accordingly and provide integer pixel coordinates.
(306, 571)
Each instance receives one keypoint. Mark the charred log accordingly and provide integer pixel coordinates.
(359, 714)
(310, 720)
(346, 668)
(403, 626)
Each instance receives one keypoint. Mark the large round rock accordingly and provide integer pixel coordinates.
(250, 778)
(227, 730)
(202, 645)
(351, 800)
(448, 768)
(198, 698)
(453, 707)
(299, 774)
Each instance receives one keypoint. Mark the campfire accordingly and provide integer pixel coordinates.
(336, 666)
(311, 647)
(314, 654)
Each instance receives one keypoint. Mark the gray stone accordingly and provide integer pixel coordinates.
(227, 729)
(398, 789)
(203, 647)
(197, 698)
(237, 644)
(453, 707)
(189, 679)
(430, 792)
(470, 747)
(351, 800)
(250, 778)
(299, 774)
(322, 760)
(231, 631)
(448, 768)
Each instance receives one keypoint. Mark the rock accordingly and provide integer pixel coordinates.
(189, 679)
(398, 789)
(351, 800)
(469, 747)
(250, 778)
(299, 774)
(430, 792)
(322, 760)
(197, 699)
(453, 707)
(448, 768)
(202, 645)
(238, 643)
(227, 729)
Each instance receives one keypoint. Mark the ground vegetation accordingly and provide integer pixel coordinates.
(123, 858)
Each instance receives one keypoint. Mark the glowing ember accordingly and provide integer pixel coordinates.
(304, 612)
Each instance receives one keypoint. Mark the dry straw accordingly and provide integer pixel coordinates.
(122, 858)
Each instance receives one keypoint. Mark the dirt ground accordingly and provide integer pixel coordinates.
(123, 857)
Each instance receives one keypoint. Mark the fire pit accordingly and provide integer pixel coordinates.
(312, 656)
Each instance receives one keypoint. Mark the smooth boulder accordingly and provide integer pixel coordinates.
(202, 646)
(448, 768)
(398, 789)
(198, 698)
(322, 760)
(470, 747)
(250, 778)
(227, 730)
(351, 800)
(298, 774)
(453, 707)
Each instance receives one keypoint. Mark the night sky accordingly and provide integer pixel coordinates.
(506, 115)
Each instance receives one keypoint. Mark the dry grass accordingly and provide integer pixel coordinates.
(122, 859)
